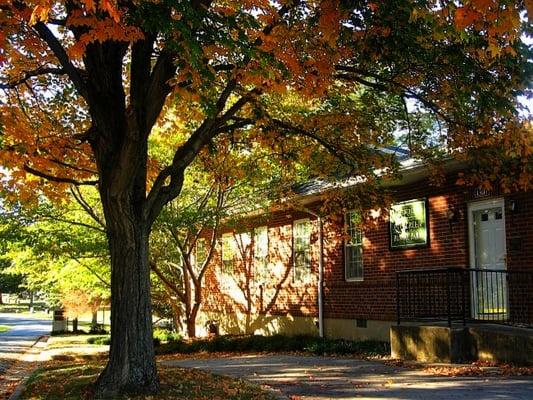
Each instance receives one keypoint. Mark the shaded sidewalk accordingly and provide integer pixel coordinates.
(19, 348)
(313, 377)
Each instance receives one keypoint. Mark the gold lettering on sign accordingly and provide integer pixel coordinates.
(480, 193)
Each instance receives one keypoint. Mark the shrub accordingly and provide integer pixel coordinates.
(100, 340)
(343, 347)
(106, 340)
(160, 336)
(276, 343)
(166, 335)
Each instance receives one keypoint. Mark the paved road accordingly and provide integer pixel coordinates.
(23, 333)
(322, 378)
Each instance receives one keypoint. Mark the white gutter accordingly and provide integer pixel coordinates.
(320, 271)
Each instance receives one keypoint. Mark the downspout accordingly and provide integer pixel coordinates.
(320, 271)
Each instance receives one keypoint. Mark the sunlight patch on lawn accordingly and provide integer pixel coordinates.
(59, 380)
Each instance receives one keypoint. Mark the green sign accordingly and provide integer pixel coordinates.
(408, 224)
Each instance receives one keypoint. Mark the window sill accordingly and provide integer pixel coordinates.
(354, 279)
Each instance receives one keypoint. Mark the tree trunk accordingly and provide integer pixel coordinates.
(131, 367)
(75, 325)
(193, 311)
(94, 319)
(191, 328)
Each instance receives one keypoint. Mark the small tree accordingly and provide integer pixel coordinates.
(186, 234)
(78, 302)
(181, 255)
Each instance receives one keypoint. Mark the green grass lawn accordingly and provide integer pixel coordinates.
(73, 341)
(60, 380)
(4, 328)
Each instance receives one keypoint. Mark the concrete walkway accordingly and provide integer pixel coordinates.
(17, 357)
(342, 378)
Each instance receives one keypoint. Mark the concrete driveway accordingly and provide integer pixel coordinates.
(23, 333)
(342, 378)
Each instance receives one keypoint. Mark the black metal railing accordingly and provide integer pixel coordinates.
(461, 295)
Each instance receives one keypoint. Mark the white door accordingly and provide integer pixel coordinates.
(488, 258)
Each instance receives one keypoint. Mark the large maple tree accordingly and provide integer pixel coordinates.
(84, 82)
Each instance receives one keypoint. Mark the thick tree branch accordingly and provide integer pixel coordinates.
(241, 123)
(86, 136)
(78, 196)
(62, 56)
(70, 166)
(31, 74)
(166, 281)
(77, 223)
(221, 199)
(57, 179)
(331, 148)
(92, 271)
(149, 88)
(385, 84)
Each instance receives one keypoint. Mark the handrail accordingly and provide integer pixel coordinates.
(465, 294)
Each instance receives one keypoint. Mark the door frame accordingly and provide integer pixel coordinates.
(471, 208)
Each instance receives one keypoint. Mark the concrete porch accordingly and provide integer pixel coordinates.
(456, 344)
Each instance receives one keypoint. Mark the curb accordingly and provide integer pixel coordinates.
(31, 353)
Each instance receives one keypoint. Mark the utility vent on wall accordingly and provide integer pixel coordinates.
(360, 323)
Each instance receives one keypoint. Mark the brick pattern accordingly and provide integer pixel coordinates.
(373, 297)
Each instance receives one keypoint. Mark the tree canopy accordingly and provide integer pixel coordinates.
(228, 62)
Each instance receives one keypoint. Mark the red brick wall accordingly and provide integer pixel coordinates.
(519, 229)
(375, 296)
(282, 294)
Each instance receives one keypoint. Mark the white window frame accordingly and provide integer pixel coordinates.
(197, 262)
(261, 258)
(347, 244)
(307, 277)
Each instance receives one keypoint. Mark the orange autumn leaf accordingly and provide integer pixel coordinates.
(465, 16)
(483, 5)
(90, 5)
(40, 13)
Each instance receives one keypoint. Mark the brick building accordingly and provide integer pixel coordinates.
(266, 279)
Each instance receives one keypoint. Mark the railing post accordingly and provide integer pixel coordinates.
(398, 297)
(464, 277)
(448, 300)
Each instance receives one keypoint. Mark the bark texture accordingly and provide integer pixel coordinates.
(131, 367)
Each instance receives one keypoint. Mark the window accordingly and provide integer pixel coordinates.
(243, 246)
(261, 254)
(302, 250)
(228, 253)
(200, 254)
(353, 247)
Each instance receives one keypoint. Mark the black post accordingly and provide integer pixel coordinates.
(398, 297)
(448, 300)
(463, 289)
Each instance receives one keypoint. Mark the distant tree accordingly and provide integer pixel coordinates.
(58, 249)
(9, 282)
